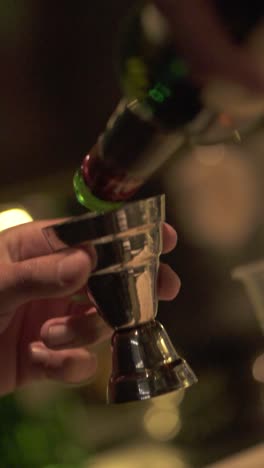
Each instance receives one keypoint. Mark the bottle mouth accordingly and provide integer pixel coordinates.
(86, 198)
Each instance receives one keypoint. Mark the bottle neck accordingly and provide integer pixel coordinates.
(132, 148)
(142, 135)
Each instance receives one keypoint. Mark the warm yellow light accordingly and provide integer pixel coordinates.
(162, 425)
(169, 400)
(140, 455)
(13, 217)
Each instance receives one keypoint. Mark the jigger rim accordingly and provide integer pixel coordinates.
(94, 227)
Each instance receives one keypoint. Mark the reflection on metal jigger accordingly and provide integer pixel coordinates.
(128, 244)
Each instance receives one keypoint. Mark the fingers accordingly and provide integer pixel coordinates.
(61, 355)
(27, 240)
(206, 45)
(56, 275)
(169, 238)
(73, 366)
(168, 283)
(258, 369)
(75, 331)
(85, 327)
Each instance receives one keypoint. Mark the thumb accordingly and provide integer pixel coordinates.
(258, 369)
(54, 275)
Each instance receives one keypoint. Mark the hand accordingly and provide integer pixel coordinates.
(207, 46)
(43, 332)
(258, 369)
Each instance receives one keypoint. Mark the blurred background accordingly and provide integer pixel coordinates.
(58, 87)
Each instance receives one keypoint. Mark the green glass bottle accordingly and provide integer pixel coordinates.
(161, 101)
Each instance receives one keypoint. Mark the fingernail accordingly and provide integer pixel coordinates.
(73, 265)
(59, 335)
(39, 355)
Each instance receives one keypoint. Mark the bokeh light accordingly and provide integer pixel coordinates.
(140, 456)
(13, 217)
(215, 193)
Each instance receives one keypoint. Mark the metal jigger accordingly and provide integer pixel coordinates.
(128, 244)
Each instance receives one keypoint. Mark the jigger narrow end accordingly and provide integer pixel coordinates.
(146, 365)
